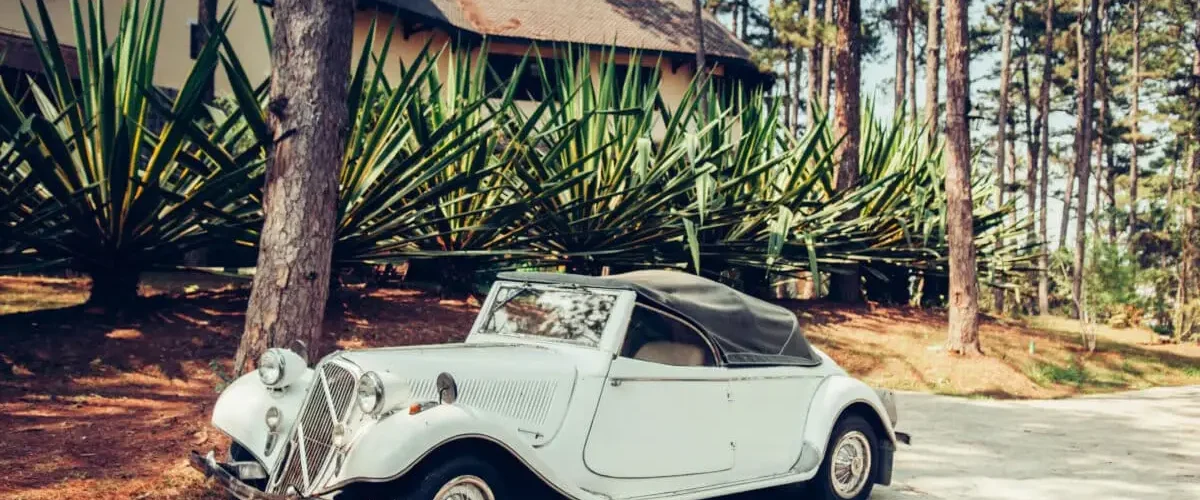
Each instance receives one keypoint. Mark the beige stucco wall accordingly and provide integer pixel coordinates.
(246, 34)
(174, 63)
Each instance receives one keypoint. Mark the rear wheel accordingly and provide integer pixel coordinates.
(849, 469)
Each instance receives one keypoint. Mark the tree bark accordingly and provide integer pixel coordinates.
(701, 64)
(308, 117)
(814, 63)
(847, 287)
(912, 61)
(733, 19)
(1083, 143)
(787, 85)
(1189, 258)
(901, 52)
(206, 16)
(1134, 134)
(114, 289)
(745, 6)
(698, 25)
(963, 337)
(932, 63)
(1033, 132)
(1104, 158)
(1068, 198)
(826, 56)
(1002, 124)
(1188, 255)
(798, 55)
(1044, 162)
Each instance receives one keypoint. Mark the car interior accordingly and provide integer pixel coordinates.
(660, 337)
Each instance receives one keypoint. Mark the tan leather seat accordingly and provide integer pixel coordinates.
(671, 353)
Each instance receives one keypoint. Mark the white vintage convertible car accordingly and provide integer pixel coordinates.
(644, 385)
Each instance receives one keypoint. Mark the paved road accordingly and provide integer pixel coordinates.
(1135, 445)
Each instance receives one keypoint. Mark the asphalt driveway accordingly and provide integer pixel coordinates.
(1134, 445)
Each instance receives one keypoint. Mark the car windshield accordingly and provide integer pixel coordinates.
(569, 314)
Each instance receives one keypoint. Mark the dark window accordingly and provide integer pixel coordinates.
(196, 35)
(530, 80)
(660, 337)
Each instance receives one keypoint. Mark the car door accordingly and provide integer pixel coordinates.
(665, 408)
(771, 406)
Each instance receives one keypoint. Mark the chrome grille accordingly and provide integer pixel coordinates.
(310, 447)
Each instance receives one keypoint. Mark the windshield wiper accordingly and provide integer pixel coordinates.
(524, 289)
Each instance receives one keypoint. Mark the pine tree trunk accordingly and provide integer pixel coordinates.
(789, 76)
(1044, 162)
(1103, 127)
(1002, 125)
(932, 63)
(698, 25)
(1134, 134)
(827, 56)
(814, 64)
(1032, 146)
(963, 336)
(787, 85)
(1068, 202)
(206, 15)
(847, 287)
(799, 57)
(733, 19)
(114, 289)
(307, 114)
(1189, 258)
(901, 52)
(701, 64)
(745, 6)
(1083, 143)
(912, 61)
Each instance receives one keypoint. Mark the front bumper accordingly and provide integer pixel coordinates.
(211, 468)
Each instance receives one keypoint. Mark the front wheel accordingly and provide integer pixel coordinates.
(849, 468)
(463, 477)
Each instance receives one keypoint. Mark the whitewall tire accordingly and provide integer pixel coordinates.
(851, 462)
(463, 477)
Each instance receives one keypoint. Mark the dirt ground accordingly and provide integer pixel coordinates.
(100, 407)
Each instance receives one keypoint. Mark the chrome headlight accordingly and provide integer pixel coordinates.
(270, 367)
(370, 393)
(279, 368)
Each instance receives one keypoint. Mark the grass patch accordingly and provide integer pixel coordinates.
(1073, 373)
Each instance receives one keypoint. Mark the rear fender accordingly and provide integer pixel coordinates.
(394, 445)
(835, 395)
(241, 411)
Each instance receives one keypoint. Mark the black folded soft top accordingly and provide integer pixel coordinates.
(748, 331)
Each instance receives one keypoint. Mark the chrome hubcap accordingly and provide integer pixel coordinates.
(465, 488)
(851, 465)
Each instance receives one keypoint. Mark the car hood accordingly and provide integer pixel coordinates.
(526, 386)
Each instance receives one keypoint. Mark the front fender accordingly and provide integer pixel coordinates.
(392, 446)
(835, 394)
(241, 411)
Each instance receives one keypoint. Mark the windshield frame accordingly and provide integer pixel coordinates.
(617, 317)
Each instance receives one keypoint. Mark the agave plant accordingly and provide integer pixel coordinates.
(87, 179)
(428, 174)
(609, 188)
